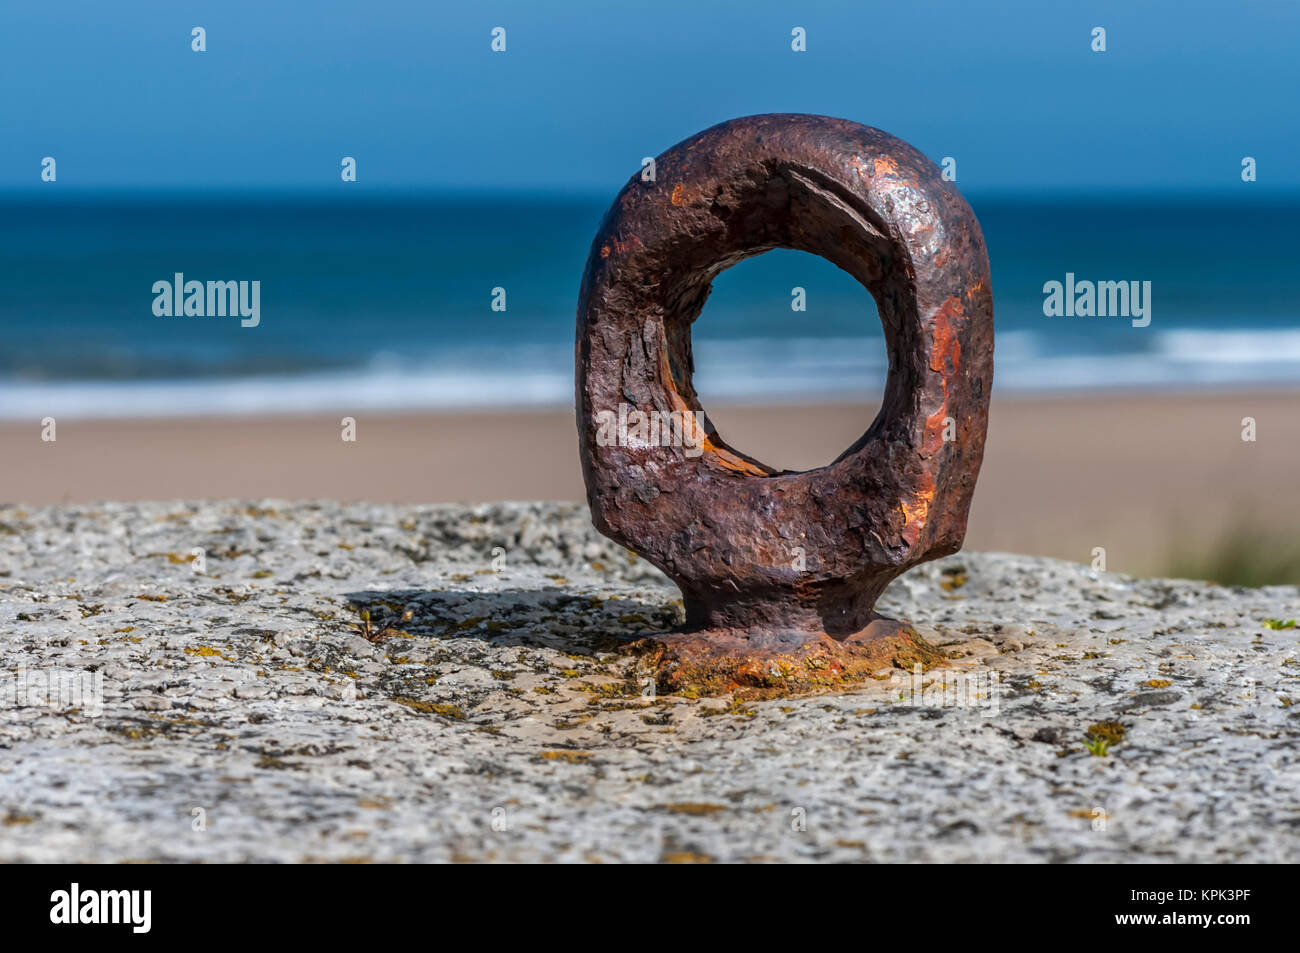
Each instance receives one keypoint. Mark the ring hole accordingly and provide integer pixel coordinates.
(790, 388)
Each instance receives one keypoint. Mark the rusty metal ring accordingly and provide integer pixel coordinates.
(771, 562)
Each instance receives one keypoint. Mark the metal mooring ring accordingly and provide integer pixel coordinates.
(780, 570)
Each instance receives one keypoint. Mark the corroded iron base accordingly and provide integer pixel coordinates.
(768, 664)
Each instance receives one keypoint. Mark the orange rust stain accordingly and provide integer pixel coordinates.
(883, 165)
(917, 513)
(804, 591)
(946, 349)
(698, 437)
(682, 195)
(912, 525)
(945, 352)
(729, 461)
(621, 245)
(932, 439)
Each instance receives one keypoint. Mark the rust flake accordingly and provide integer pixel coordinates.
(883, 165)
(620, 246)
(684, 196)
(946, 350)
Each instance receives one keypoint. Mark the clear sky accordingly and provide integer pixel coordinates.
(412, 90)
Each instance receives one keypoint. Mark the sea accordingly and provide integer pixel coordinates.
(395, 302)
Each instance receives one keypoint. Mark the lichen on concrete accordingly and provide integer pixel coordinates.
(247, 712)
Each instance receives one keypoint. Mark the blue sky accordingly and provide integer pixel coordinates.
(584, 90)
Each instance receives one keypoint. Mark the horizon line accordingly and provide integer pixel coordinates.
(33, 191)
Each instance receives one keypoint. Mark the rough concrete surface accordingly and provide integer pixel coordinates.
(150, 711)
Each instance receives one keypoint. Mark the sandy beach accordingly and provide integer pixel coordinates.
(1158, 481)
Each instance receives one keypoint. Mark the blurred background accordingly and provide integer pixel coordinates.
(479, 170)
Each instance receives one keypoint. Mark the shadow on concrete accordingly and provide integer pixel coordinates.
(550, 617)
